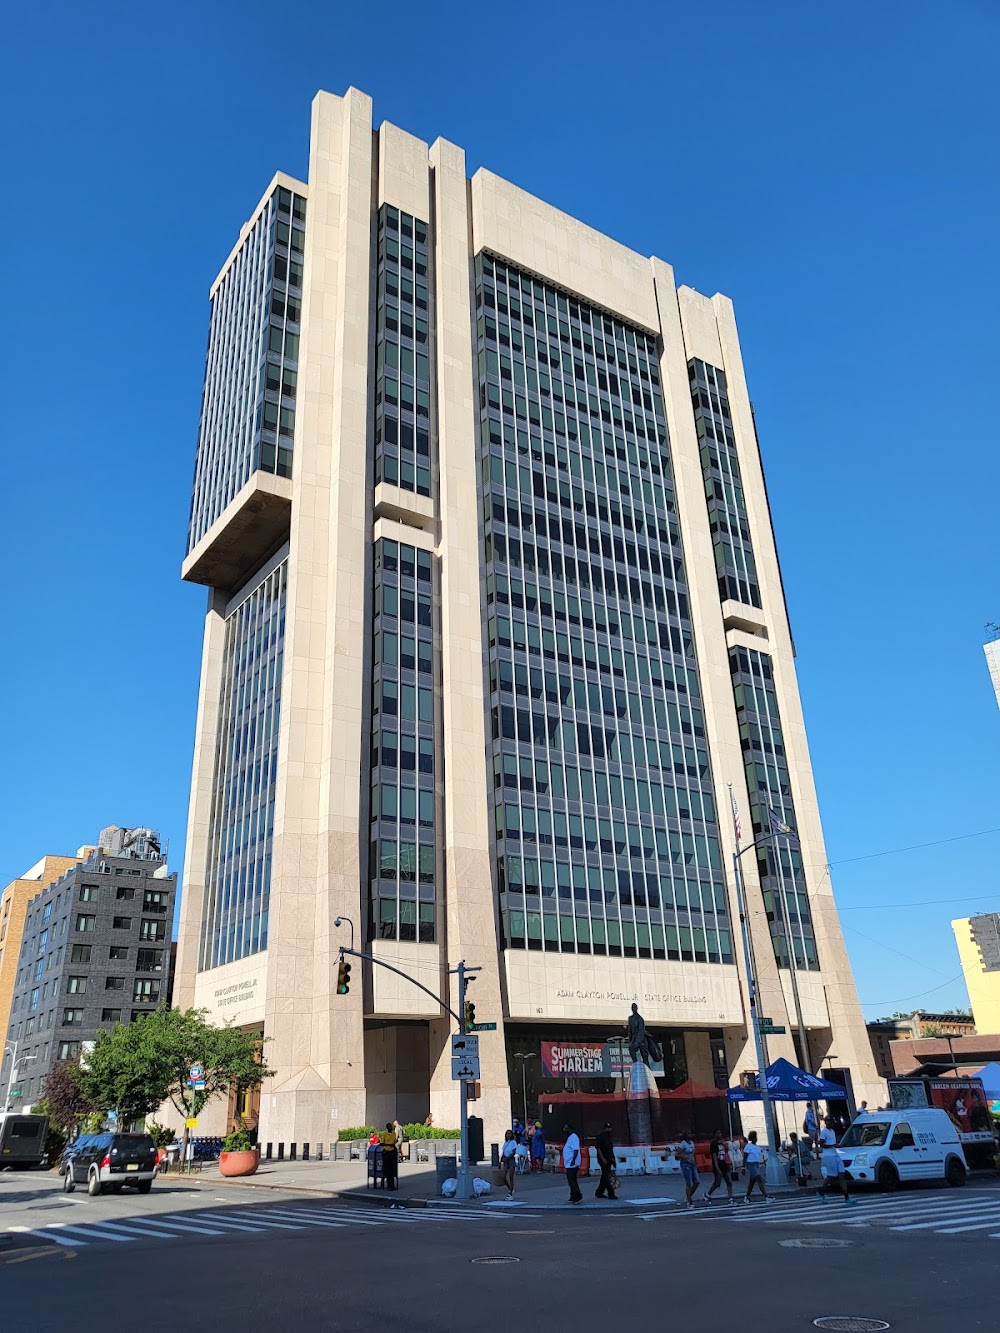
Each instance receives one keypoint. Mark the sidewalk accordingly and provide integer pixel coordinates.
(418, 1186)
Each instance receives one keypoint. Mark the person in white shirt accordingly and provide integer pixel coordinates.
(833, 1167)
(571, 1161)
(754, 1156)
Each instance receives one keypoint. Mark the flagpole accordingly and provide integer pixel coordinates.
(773, 1167)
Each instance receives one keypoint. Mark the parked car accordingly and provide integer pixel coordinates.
(22, 1139)
(887, 1148)
(111, 1161)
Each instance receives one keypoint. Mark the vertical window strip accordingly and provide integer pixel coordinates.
(572, 420)
(237, 886)
(727, 512)
(403, 855)
(248, 399)
(403, 382)
(782, 874)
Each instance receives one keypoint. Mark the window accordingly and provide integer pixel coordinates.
(71, 1017)
(124, 892)
(902, 1137)
(111, 1015)
(147, 992)
(122, 923)
(154, 901)
(139, 1013)
(76, 986)
(85, 922)
(152, 930)
(69, 1050)
(80, 953)
(149, 960)
(119, 951)
(88, 893)
(114, 983)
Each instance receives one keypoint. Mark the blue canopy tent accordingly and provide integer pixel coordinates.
(787, 1083)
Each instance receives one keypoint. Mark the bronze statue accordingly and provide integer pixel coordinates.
(641, 1046)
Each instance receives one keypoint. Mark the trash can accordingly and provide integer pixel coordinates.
(447, 1169)
(376, 1169)
(403, 1149)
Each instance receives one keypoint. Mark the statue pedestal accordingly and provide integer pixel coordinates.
(642, 1090)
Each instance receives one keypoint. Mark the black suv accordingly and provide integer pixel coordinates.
(112, 1161)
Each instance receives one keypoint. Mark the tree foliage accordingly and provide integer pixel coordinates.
(135, 1067)
(66, 1102)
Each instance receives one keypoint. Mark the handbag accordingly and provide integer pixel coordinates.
(614, 1181)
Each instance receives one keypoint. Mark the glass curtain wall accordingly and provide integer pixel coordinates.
(605, 827)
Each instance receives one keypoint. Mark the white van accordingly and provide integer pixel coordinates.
(885, 1148)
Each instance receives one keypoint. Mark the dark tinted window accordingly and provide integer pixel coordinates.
(25, 1129)
(133, 1141)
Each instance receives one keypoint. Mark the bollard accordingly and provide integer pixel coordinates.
(281, 1152)
(305, 1152)
(267, 1155)
(494, 1154)
(293, 1153)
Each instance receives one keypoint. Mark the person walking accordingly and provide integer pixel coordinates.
(571, 1161)
(537, 1147)
(754, 1156)
(508, 1161)
(810, 1127)
(684, 1152)
(605, 1149)
(389, 1158)
(833, 1167)
(721, 1167)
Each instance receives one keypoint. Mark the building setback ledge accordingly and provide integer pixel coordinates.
(392, 502)
(251, 526)
(737, 615)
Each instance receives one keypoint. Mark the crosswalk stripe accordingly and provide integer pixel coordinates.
(254, 1223)
(313, 1219)
(93, 1231)
(947, 1218)
(131, 1232)
(44, 1235)
(180, 1226)
(975, 1226)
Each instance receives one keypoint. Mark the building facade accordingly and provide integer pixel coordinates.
(921, 1024)
(978, 940)
(13, 910)
(94, 951)
(494, 620)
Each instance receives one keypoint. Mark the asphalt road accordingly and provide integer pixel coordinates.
(573, 1272)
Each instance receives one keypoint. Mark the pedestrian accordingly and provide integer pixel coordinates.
(400, 1133)
(537, 1147)
(799, 1157)
(605, 1149)
(721, 1167)
(862, 1112)
(508, 1161)
(754, 1156)
(389, 1159)
(571, 1161)
(684, 1152)
(833, 1167)
(518, 1130)
(810, 1127)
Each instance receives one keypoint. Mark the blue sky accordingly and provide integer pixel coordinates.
(831, 168)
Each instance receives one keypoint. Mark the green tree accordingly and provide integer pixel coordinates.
(135, 1067)
(66, 1103)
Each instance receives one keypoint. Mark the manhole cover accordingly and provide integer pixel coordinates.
(499, 1259)
(815, 1243)
(849, 1323)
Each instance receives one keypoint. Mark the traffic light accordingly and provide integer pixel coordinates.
(343, 977)
(470, 1015)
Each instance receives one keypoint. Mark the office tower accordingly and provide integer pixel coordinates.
(94, 951)
(494, 620)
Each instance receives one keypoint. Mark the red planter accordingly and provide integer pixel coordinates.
(239, 1163)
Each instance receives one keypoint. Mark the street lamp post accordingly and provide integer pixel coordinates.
(773, 1170)
(524, 1058)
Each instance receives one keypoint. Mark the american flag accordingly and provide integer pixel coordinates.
(736, 819)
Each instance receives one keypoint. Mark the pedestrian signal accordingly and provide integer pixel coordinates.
(470, 1015)
(343, 977)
